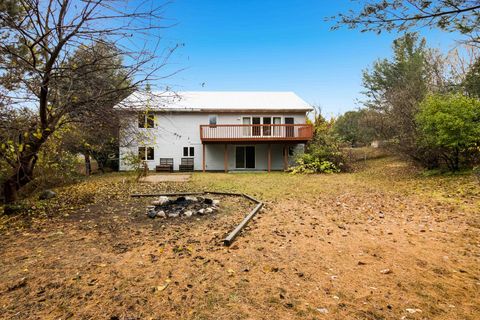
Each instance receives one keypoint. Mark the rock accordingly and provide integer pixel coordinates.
(188, 213)
(191, 198)
(216, 202)
(161, 201)
(412, 310)
(322, 310)
(208, 210)
(180, 200)
(161, 214)
(208, 201)
(385, 271)
(152, 214)
(149, 208)
(201, 212)
(381, 215)
(361, 263)
(173, 215)
(47, 194)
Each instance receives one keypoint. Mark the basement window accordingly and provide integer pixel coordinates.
(146, 153)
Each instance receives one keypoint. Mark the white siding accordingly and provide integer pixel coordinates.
(173, 131)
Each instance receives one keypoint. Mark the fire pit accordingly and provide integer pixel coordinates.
(207, 205)
(183, 206)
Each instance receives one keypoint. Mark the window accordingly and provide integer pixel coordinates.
(291, 151)
(212, 120)
(262, 126)
(188, 152)
(146, 120)
(146, 153)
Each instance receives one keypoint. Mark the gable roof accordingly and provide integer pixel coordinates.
(220, 101)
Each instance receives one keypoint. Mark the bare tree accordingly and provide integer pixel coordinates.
(461, 16)
(38, 73)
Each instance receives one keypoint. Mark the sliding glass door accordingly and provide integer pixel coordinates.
(247, 130)
(277, 130)
(245, 157)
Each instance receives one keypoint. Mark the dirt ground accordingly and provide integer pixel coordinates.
(385, 242)
(172, 177)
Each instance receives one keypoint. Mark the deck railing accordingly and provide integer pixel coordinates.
(256, 132)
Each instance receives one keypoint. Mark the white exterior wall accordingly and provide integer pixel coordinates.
(174, 130)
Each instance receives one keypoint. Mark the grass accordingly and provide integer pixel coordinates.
(385, 173)
(92, 246)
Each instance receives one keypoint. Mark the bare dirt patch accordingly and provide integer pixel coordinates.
(384, 243)
(156, 178)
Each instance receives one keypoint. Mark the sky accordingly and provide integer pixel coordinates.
(283, 45)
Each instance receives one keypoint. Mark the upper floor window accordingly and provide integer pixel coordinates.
(146, 120)
(212, 120)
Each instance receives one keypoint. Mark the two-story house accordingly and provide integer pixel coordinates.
(214, 131)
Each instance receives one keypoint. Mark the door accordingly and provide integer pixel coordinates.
(289, 130)
(267, 130)
(276, 129)
(247, 130)
(245, 157)
(256, 128)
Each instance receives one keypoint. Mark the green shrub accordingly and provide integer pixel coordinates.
(323, 154)
(308, 163)
(450, 124)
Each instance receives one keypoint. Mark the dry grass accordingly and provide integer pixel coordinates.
(322, 241)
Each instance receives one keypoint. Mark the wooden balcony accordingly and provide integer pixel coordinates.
(258, 133)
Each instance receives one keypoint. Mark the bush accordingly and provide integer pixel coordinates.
(323, 153)
(449, 125)
(308, 163)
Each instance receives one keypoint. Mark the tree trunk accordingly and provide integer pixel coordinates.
(457, 159)
(22, 176)
(10, 193)
(88, 166)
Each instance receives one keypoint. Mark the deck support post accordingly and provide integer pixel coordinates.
(269, 157)
(285, 157)
(225, 158)
(203, 157)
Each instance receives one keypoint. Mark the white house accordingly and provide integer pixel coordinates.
(214, 131)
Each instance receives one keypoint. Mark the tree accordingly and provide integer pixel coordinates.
(353, 127)
(95, 134)
(394, 90)
(39, 39)
(451, 124)
(322, 153)
(461, 16)
(471, 83)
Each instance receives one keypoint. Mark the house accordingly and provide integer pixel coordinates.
(213, 131)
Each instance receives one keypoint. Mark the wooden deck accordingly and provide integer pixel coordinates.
(268, 133)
